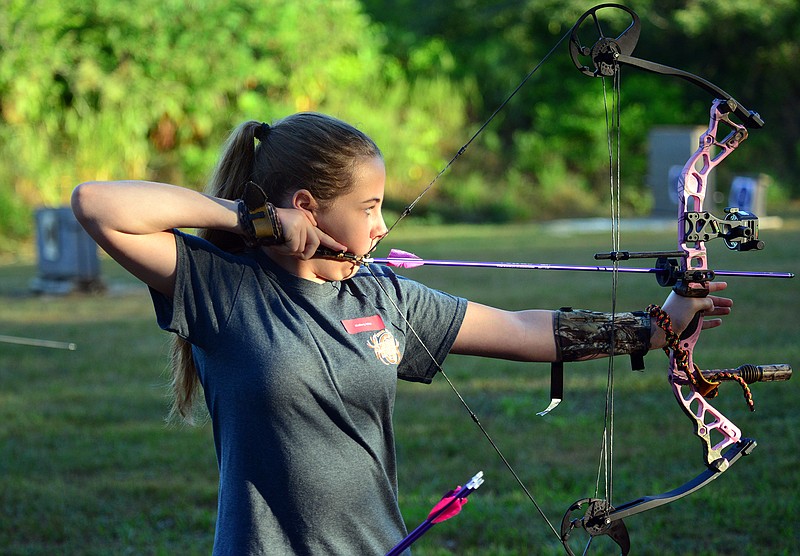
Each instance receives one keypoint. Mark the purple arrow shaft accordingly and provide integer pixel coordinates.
(410, 263)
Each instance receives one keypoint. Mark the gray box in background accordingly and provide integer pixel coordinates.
(669, 148)
(67, 255)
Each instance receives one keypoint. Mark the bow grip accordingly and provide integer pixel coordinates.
(696, 285)
(693, 327)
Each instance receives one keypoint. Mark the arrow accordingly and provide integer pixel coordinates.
(403, 259)
(449, 506)
(38, 343)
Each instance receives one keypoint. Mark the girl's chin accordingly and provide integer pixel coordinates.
(341, 271)
(350, 271)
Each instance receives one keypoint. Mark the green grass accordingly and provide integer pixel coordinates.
(88, 466)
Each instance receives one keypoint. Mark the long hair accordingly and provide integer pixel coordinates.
(307, 150)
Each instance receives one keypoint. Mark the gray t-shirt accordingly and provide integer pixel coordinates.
(300, 381)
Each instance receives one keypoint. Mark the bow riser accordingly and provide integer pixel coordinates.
(692, 188)
(709, 423)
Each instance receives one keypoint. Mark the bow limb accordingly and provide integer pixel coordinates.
(606, 54)
(601, 518)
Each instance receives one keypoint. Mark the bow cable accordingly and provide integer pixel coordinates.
(613, 135)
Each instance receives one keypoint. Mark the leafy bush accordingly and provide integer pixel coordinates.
(149, 89)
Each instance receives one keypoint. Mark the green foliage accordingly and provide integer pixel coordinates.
(14, 215)
(553, 135)
(150, 88)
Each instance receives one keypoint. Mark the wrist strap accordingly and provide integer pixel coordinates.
(708, 387)
(258, 218)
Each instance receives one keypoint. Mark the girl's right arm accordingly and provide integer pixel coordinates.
(131, 221)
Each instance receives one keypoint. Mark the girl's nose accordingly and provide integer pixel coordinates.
(380, 229)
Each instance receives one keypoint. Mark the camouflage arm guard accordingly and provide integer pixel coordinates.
(585, 334)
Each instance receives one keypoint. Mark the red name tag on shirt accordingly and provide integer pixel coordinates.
(364, 324)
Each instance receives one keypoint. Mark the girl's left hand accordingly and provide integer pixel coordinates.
(682, 310)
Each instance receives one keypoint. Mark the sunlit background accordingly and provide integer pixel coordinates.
(149, 89)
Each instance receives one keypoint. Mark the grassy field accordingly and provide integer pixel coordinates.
(88, 466)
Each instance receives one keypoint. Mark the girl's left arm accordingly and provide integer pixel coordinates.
(515, 335)
(529, 335)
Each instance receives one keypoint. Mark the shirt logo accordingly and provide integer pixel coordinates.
(386, 348)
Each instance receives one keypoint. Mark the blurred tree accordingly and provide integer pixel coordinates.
(548, 147)
(750, 49)
(149, 89)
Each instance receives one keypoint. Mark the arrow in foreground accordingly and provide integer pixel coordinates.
(449, 506)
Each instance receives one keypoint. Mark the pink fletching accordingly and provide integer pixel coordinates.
(403, 259)
(452, 510)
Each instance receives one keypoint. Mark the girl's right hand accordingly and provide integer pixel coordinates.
(302, 236)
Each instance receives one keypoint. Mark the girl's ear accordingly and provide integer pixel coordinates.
(305, 201)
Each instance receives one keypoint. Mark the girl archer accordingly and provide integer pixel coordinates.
(298, 356)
